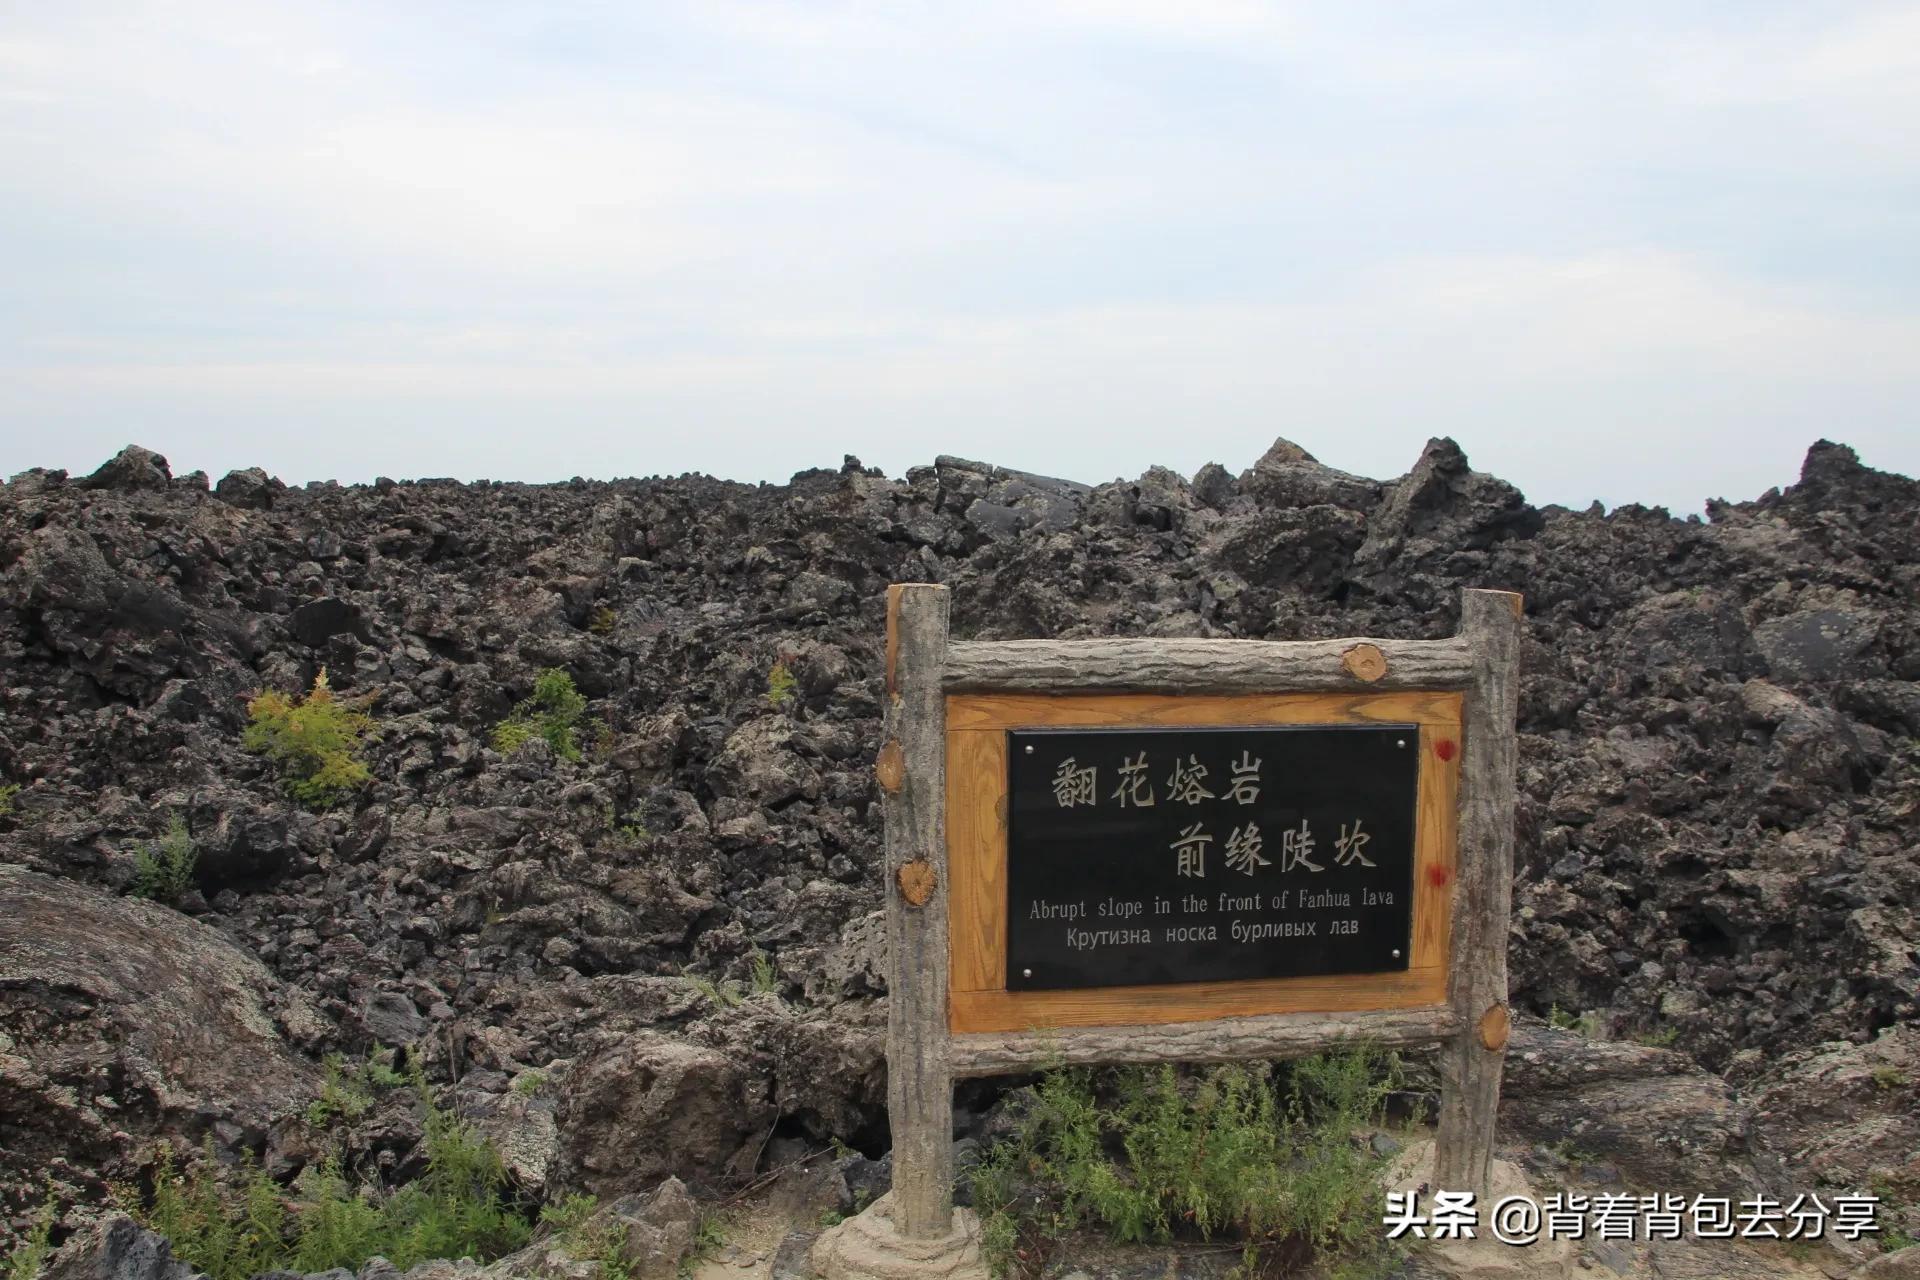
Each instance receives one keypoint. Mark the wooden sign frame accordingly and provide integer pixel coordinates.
(977, 995)
(943, 781)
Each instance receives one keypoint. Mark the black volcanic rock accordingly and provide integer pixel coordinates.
(1718, 770)
(132, 468)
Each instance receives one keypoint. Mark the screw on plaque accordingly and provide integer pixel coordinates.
(1028, 973)
(1396, 953)
(1029, 748)
(1401, 743)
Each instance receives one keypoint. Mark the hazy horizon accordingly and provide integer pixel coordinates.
(213, 476)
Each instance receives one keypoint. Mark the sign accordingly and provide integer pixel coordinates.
(1152, 856)
(1183, 849)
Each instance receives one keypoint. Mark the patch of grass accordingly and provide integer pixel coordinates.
(1567, 1151)
(315, 740)
(585, 1240)
(1277, 1163)
(709, 1233)
(602, 619)
(766, 978)
(1587, 1024)
(1660, 1038)
(629, 834)
(570, 1213)
(726, 994)
(8, 790)
(163, 870)
(247, 1225)
(780, 685)
(30, 1252)
(1888, 1076)
(552, 714)
(529, 1083)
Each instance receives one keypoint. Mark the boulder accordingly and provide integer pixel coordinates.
(316, 621)
(131, 468)
(1651, 1113)
(117, 1248)
(63, 568)
(640, 1108)
(129, 1022)
(1845, 1115)
(759, 764)
(1818, 644)
(1288, 476)
(252, 489)
(1440, 507)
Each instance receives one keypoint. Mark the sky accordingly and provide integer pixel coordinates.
(1625, 252)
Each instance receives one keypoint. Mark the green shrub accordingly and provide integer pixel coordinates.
(709, 1233)
(766, 978)
(348, 1091)
(604, 1240)
(458, 1208)
(1587, 1024)
(315, 740)
(229, 1233)
(601, 623)
(725, 994)
(570, 1213)
(780, 685)
(586, 1240)
(30, 1253)
(163, 870)
(8, 790)
(1232, 1152)
(551, 713)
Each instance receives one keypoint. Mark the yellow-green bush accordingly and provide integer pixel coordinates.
(780, 685)
(315, 740)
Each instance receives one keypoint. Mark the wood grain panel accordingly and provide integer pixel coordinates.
(1280, 1035)
(1004, 1010)
(977, 856)
(1155, 710)
(1166, 665)
(1436, 868)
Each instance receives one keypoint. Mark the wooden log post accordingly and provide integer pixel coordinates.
(912, 772)
(1471, 1061)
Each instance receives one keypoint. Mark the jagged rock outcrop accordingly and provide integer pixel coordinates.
(1718, 770)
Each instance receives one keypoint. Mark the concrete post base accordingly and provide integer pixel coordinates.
(868, 1247)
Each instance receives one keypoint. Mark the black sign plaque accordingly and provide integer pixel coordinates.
(1153, 856)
